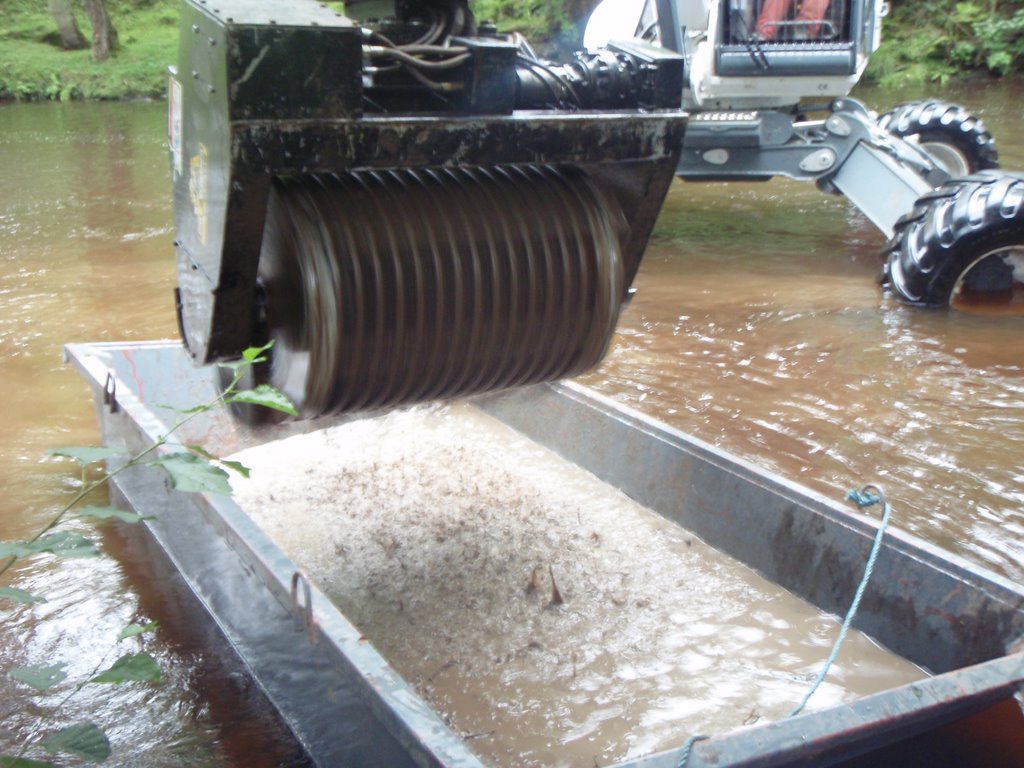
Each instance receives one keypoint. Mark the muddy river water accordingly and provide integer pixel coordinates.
(757, 326)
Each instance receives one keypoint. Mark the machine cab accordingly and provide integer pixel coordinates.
(753, 54)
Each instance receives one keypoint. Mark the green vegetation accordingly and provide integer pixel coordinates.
(923, 41)
(188, 468)
(550, 27)
(936, 40)
(34, 66)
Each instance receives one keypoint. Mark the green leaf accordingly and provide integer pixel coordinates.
(266, 396)
(16, 595)
(134, 630)
(255, 354)
(237, 466)
(67, 544)
(250, 356)
(202, 452)
(61, 543)
(40, 677)
(16, 549)
(84, 740)
(107, 513)
(86, 455)
(999, 62)
(133, 668)
(189, 472)
(183, 411)
(23, 762)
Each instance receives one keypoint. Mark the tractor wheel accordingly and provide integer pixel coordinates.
(962, 244)
(957, 140)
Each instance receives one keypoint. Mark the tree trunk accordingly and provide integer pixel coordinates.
(104, 36)
(71, 36)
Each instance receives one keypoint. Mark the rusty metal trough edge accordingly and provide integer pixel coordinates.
(345, 704)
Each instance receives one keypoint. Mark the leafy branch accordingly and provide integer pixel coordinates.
(936, 40)
(189, 468)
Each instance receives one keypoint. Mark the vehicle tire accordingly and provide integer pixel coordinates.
(954, 137)
(968, 234)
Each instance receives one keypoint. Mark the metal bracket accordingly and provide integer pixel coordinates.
(818, 161)
(110, 393)
(304, 610)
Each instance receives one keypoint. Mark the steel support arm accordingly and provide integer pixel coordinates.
(846, 152)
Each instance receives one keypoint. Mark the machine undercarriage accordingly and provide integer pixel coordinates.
(767, 84)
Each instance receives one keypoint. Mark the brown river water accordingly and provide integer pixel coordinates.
(757, 326)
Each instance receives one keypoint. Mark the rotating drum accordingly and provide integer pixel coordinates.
(390, 287)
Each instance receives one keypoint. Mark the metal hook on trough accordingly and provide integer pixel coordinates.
(110, 393)
(304, 610)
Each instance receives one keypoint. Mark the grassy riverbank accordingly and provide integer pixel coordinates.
(34, 66)
(929, 41)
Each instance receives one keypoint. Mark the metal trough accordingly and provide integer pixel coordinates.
(345, 704)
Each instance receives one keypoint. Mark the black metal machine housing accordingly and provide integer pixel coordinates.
(374, 196)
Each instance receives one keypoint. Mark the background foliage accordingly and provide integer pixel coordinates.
(552, 27)
(935, 40)
(923, 41)
(34, 66)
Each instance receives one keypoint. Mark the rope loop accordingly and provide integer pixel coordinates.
(867, 496)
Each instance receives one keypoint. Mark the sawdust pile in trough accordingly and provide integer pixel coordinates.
(549, 619)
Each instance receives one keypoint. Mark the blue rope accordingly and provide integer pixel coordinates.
(865, 497)
(684, 756)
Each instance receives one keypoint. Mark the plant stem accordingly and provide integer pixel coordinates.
(132, 462)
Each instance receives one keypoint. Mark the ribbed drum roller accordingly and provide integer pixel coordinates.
(391, 287)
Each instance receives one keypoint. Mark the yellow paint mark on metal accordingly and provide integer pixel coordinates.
(198, 190)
